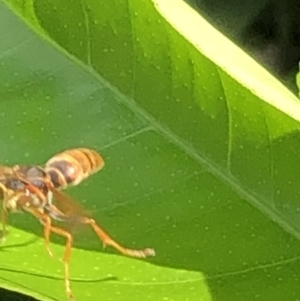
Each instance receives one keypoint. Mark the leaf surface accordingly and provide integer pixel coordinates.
(200, 143)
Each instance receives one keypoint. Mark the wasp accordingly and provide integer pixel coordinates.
(37, 189)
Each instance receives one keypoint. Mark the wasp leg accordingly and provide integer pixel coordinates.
(44, 218)
(107, 240)
(46, 221)
(48, 229)
(67, 257)
(4, 214)
(4, 217)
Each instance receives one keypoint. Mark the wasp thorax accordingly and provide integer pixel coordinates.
(21, 200)
(11, 204)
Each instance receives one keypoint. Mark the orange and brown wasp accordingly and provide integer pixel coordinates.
(37, 190)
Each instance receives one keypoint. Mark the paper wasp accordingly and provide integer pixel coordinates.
(37, 190)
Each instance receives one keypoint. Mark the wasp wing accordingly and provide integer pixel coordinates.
(65, 208)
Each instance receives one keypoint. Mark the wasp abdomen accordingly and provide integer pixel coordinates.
(64, 173)
(72, 166)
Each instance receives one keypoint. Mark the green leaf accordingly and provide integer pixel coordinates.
(201, 148)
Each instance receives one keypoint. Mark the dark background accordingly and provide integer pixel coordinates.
(268, 30)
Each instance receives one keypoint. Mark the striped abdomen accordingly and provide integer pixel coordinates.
(73, 166)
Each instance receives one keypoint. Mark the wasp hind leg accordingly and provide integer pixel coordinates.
(108, 241)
